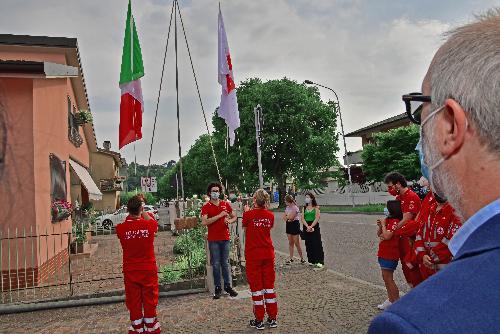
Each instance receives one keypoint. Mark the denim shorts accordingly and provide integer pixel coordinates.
(388, 264)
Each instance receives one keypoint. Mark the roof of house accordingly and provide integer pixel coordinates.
(115, 155)
(27, 40)
(386, 123)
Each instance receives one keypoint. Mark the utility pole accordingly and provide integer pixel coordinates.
(258, 128)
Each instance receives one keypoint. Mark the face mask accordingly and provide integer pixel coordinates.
(308, 200)
(391, 190)
(427, 170)
(423, 167)
(386, 212)
(214, 195)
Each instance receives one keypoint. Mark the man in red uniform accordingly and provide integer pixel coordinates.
(410, 206)
(259, 255)
(217, 215)
(431, 244)
(140, 272)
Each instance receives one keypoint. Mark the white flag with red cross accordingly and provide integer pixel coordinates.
(228, 109)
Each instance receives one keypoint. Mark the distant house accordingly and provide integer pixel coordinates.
(367, 133)
(105, 170)
(46, 143)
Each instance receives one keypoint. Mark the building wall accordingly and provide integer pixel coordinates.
(51, 136)
(103, 166)
(17, 182)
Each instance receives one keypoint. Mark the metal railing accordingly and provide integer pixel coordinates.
(83, 260)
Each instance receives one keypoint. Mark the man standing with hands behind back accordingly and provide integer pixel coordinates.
(217, 215)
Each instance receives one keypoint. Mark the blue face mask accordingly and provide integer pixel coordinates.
(423, 166)
(386, 212)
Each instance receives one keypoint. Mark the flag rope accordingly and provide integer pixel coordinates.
(199, 96)
(159, 90)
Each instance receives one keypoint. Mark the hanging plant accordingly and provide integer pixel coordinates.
(84, 116)
(60, 210)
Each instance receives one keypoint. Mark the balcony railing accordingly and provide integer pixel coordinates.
(75, 137)
(110, 185)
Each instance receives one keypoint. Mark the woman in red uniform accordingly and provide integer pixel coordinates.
(259, 255)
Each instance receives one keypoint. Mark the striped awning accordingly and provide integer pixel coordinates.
(88, 183)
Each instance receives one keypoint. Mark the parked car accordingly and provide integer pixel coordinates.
(108, 221)
(152, 209)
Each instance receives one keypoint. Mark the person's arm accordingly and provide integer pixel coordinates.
(407, 216)
(232, 218)
(386, 234)
(145, 215)
(207, 221)
(316, 218)
(302, 220)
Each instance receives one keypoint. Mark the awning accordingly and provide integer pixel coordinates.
(87, 181)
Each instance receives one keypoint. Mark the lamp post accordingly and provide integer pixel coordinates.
(258, 136)
(309, 82)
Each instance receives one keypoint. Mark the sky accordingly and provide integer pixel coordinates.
(369, 51)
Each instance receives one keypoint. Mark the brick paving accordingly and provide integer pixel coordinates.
(309, 302)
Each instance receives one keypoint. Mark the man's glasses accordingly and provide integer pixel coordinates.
(414, 103)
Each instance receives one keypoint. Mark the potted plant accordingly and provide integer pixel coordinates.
(80, 238)
(60, 210)
(83, 116)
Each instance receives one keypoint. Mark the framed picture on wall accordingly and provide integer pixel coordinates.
(57, 178)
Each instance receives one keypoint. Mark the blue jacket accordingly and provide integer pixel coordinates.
(464, 297)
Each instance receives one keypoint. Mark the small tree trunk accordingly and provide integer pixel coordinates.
(282, 189)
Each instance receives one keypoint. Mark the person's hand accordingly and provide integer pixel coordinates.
(284, 217)
(379, 223)
(428, 262)
(222, 214)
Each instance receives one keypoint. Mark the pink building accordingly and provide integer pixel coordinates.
(45, 148)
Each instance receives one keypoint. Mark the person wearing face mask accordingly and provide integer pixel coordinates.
(459, 148)
(431, 244)
(217, 215)
(410, 206)
(311, 232)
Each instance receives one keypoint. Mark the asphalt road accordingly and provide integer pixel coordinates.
(350, 244)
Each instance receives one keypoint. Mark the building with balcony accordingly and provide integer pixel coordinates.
(105, 171)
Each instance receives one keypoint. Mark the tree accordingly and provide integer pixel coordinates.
(393, 150)
(134, 178)
(299, 134)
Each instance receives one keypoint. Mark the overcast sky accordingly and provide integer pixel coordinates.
(370, 51)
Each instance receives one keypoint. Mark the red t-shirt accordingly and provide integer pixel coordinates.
(410, 202)
(137, 240)
(258, 242)
(218, 230)
(389, 249)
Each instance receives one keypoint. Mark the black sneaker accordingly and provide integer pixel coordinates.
(272, 323)
(231, 291)
(257, 324)
(218, 292)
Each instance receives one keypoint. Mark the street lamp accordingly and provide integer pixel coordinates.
(309, 82)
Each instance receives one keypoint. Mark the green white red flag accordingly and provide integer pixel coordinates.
(132, 69)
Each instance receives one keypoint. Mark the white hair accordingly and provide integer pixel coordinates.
(467, 69)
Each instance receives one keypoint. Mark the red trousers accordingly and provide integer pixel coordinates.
(261, 277)
(141, 292)
(412, 275)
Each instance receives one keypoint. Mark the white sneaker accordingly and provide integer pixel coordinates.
(384, 305)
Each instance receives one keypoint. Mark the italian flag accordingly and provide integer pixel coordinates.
(131, 105)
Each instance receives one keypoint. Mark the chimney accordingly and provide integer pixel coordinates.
(107, 145)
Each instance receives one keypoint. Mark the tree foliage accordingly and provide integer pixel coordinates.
(393, 150)
(299, 135)
(134, 178)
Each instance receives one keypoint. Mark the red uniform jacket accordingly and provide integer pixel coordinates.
(435, 234)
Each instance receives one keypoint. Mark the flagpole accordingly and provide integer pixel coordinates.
(177, 97)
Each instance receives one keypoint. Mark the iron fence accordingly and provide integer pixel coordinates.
(83, 260)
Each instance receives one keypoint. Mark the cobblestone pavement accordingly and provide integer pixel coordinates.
(309, 302)
(350, 244)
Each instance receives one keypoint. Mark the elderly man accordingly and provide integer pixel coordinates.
(460, 154)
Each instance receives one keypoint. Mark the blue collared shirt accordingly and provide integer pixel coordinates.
(472, 224)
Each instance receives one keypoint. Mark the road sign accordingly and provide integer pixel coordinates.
(148, 184)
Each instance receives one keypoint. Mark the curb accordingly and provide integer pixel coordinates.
(20, 308)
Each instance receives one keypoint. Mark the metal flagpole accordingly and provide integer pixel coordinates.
(258, 116)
